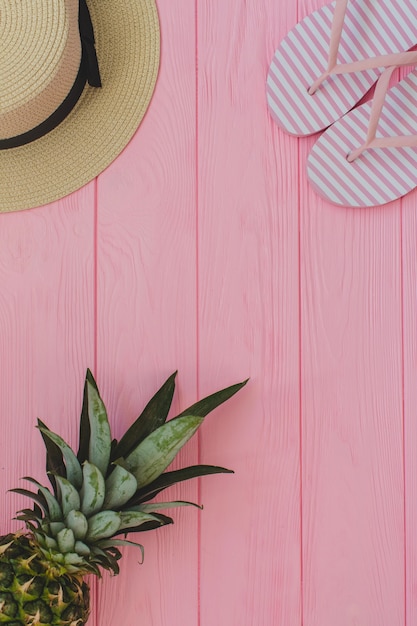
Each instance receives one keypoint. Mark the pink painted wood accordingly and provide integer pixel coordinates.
(202, 248)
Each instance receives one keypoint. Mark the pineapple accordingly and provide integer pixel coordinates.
(97, 496)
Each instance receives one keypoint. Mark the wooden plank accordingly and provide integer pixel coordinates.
(47, 321)
(248, 322)
(46, 330)
(147, 314)
(48, 298)
(409, 270)
(352, 416)
(353, 488)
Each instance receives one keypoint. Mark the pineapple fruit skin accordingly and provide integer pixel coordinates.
(33, 592)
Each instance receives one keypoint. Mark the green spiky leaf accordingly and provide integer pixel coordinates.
(55, 512)
(37, 511)
(132, 519)
(206, 405)
(171, 478)
(106, 559)
(66, 540)
(56, 527)
(73, 468)
(82, 548)
(102, 525)
(100, 435)
(93, 489)
(159, 506)
(54, 508)
(91, 567)
(121, 485)
(78, 523)
(68, 495)
(50, 543)
(110, 543)
(153, 416)
(160, 520)
(37, 497)
(54, 459)
(153, 455)
(85, 431)
(29, 515)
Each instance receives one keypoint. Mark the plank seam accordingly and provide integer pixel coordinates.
(197, 282)
(300, 383)
(403, 414)
(300, 390)
(95, 277)
(95, 347)
(300, 370)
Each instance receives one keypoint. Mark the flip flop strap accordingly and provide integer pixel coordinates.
(335, 36)
(381, 89)
(336, 32)
(376, 62)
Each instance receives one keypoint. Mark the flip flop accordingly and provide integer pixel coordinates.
(369, 157)
(314, 77)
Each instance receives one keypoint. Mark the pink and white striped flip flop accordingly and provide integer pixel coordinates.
(311, 81)
(369, 157)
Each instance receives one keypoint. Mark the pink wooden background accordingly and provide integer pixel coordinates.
(202, 248)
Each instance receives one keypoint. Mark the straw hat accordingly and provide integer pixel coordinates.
(58, 127)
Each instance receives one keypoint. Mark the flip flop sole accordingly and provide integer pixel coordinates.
(379, 175)
(371, 28)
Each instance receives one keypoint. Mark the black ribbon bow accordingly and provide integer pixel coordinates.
(88, 45)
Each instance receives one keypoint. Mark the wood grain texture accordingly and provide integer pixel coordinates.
(147, 314)
(248, 321)
(352, 417)
(46, 330)
(353, 484)
(47, 334)
(409, 269)
(203, 248)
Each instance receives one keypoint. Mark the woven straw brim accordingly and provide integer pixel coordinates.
(103, 121)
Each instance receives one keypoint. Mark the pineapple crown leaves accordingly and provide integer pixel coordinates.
(104, 490)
